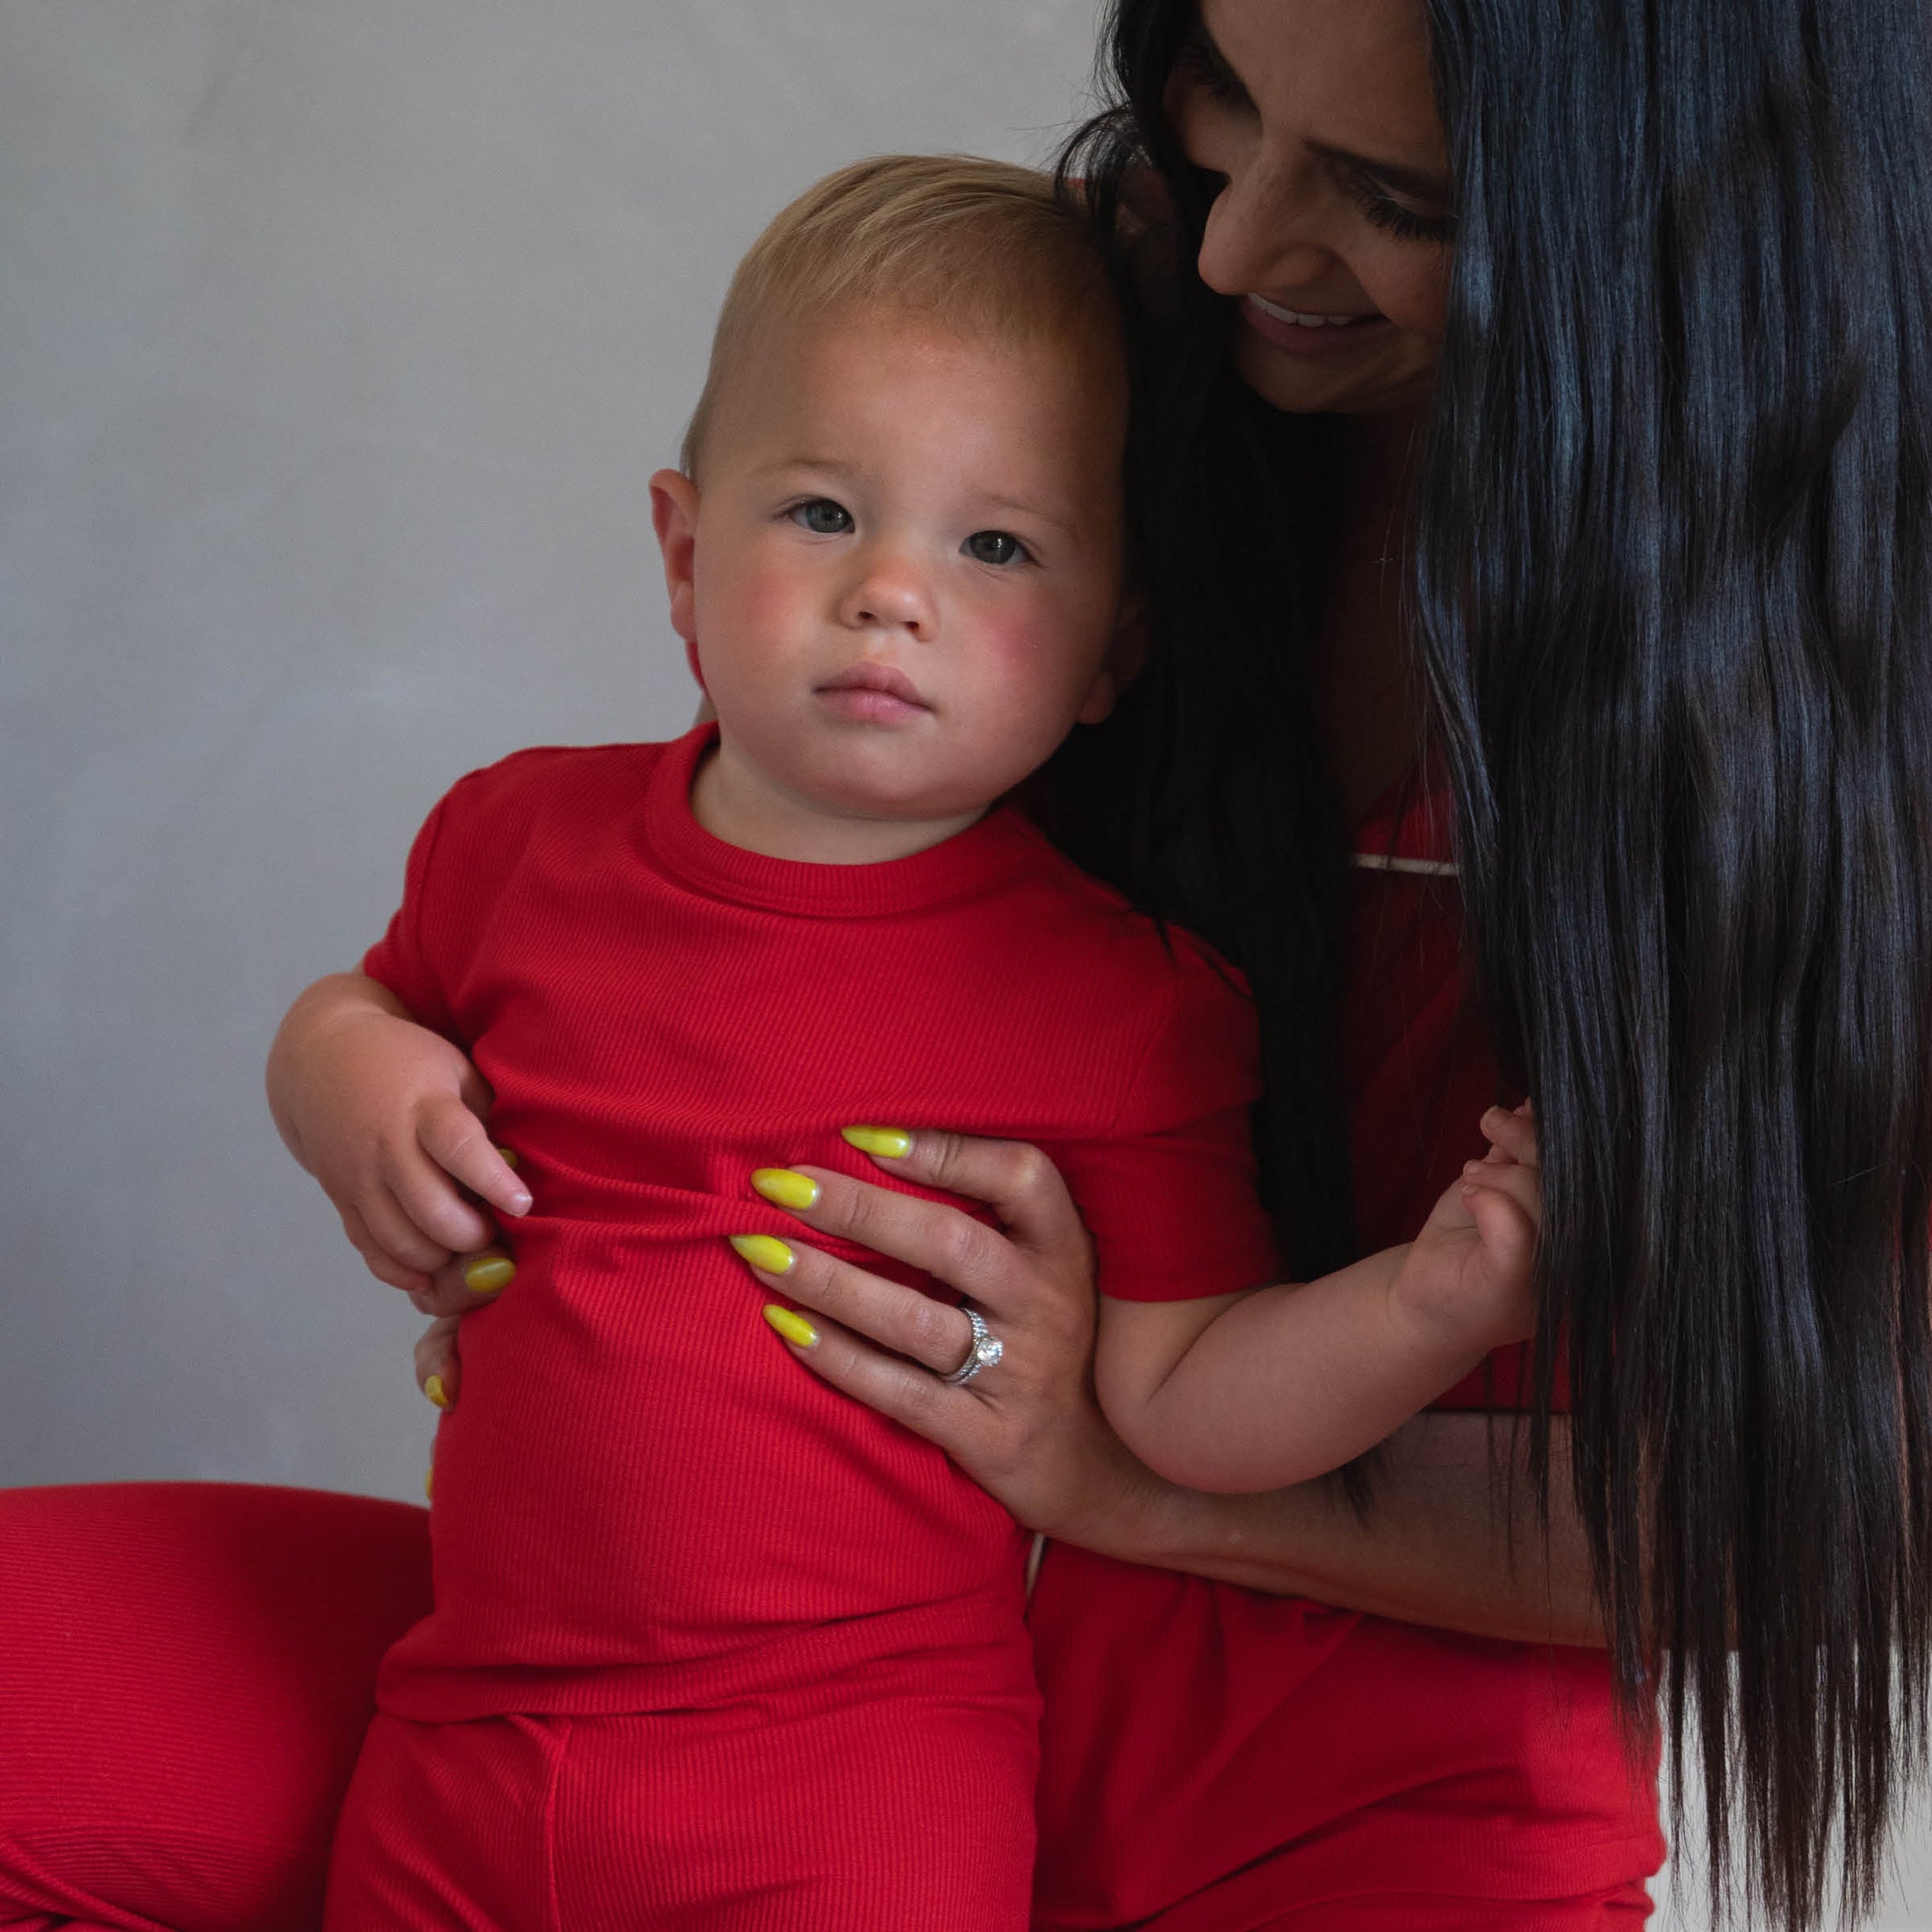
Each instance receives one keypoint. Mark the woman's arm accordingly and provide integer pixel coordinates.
(1452, 1538)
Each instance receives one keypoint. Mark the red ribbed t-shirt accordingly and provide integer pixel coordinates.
(641, 1503)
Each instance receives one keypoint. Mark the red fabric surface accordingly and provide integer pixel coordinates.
(881, 1800)
(186, 1672)
(1216, 1760)
(640, 1502)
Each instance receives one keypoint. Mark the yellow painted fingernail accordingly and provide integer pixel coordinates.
(508, 1155)
(437, 1393)
(489, 1273)
(765, 1252)
(792, 1325)
(430, 1486)
(888, 1142)
(788, 1189)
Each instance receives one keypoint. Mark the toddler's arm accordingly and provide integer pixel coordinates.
(389, 1117)
(1257, 1391)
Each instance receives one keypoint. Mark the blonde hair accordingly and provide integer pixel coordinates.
(982, 247)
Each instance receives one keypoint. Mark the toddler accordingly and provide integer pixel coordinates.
(713, 1646)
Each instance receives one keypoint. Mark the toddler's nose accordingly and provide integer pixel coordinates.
(890, 592)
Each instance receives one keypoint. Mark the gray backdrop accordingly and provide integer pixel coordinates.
(337, 339)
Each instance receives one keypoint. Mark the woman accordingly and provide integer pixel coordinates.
(1574, 359)
(1619, 316)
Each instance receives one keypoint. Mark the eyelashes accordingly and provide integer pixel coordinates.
(1198, 64)
(1391, 216)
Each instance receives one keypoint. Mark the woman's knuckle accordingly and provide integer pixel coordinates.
(932, 1326)
(919, 1401)
(943, 1152)
(1029, 1171)
(855, 1210)
(831, 1286)
(963, 1248)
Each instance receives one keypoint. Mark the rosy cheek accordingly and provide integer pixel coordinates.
(755, 604)
(1027, 660)
(1013, 643)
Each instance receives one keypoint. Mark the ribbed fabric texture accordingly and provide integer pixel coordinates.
(1214, 1760)
(877, 1802)
(186, 1671)
(641, 1502)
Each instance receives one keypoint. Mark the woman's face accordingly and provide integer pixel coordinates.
(1334, 221)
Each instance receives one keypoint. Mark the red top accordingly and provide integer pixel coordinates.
(1213, 1754)
(641, 1503)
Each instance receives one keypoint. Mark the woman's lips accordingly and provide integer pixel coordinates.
(878, 693)
(1311, 332)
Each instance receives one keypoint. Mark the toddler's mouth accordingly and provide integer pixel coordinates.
(879, 692)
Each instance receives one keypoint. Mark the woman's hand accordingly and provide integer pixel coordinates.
(1027, 1429)
(1436, 1548)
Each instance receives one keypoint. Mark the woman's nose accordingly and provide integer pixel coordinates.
(1261, 233)
(890, 592)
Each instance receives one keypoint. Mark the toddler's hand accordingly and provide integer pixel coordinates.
(1469, 1276)
(390, 1118)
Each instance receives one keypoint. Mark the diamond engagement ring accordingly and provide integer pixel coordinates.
(985, 1350)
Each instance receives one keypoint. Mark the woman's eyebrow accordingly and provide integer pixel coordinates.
(1210, 57)
(1410, 181)
(1418, 182)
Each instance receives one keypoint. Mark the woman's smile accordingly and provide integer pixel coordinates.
(1315, 129)
(1303, 332)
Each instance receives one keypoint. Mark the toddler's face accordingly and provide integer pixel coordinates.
(902, 573)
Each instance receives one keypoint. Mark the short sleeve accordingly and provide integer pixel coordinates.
(1170, 1196)
(401, 959)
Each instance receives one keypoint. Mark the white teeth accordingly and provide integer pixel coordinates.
(1300, 320)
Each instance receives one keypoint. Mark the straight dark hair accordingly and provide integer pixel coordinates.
(1670, 604)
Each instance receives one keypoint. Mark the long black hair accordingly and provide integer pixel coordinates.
(1206, 796)
(1671, 528)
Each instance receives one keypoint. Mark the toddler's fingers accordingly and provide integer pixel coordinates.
(380, 1263)
(1513, 1134)
(1506, 1230)
(438, 1362)
(1514, 1181)
(459, 1143)
(393, 1229)
(428, 1198)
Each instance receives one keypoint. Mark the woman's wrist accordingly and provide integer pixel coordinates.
(1451, 1540)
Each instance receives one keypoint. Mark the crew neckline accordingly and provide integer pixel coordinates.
(1411, 824)
(969, 859)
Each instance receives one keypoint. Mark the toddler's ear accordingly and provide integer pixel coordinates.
(673, 516)
(1125, 656)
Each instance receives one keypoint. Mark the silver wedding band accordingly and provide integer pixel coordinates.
(985, 1350)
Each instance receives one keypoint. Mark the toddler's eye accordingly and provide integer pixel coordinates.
(821, 516)
(994, 546)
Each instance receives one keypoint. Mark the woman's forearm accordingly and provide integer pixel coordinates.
(1451, 1538)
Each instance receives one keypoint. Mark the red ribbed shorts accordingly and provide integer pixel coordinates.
(875, 1802)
